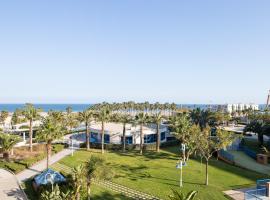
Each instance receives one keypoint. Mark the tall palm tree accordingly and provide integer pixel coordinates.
(157, 119)
(50, 130)
(103, 115)
(124, 119)
(70, 119)
(31, 113)
(86, 116)
(141, 119)
(7, 142)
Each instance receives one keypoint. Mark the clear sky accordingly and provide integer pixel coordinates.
(192, 51)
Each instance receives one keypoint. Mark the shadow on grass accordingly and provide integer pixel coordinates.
(108, 196)
(29, 191)
(221, 165)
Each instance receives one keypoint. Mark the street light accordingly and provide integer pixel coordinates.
(180, 166)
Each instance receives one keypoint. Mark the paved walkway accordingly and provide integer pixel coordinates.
(41, 166)
(243, 160)
(9, 187)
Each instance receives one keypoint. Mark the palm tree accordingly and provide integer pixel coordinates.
(95, 168)
(124, 119)
(157, 119)
(31, 113)
(7, 142)
(15, 119)
(180, 196)
(71, 119)
(103, 116)
(50, 130)
(141, 119)
(78, 177)
(3, 117)
(57, 115)
(86, 117)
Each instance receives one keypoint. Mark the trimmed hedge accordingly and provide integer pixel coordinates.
(19, 165)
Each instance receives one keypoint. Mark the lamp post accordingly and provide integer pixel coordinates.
(180, 166)
(71, 142)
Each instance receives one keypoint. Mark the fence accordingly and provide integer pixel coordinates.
(261, 183)
(258, 194)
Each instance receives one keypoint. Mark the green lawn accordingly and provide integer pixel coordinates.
(155, 173)
(98, 193)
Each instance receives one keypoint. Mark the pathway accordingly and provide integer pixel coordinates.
(134, 194)
(9, 187)
(41, 166)
(243, 160)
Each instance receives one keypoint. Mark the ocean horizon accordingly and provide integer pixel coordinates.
(81, 107)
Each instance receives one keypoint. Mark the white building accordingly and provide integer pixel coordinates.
(114, 133)
(240, 107)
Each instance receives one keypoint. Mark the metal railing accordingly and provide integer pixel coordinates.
(258, 194)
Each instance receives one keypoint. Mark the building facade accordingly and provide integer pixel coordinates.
(114, 133)
(230, 108)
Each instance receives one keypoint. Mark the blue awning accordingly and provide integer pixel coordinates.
(47, 175)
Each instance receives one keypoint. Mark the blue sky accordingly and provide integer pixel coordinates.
(191, 51)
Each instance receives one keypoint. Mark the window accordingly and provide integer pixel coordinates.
(162, 136)
(151, 138)
(96, 139)
(129, 140)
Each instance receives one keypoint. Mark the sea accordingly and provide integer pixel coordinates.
(81, 107)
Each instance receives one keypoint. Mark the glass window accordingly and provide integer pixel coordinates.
(162, 136)
(129, 140)
(151, 138)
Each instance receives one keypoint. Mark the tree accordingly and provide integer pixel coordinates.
(95, 169)
(78, 177)
(103, 115)
(3, 117)
(124, 119)
(86, 116)
(208, 145)
(15, 119)
(180, 126)
(181, 196)
(50, 130)
(256, 126)
(70, 119)
(157, 119)
(31, 113)
(7, 142)
(141, 119)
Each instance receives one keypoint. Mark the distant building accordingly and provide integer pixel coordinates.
(240, 107)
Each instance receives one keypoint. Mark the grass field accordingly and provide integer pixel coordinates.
(98, 193)
(155, 173)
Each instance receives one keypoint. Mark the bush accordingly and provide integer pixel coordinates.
(12, 166)
(57, 148)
